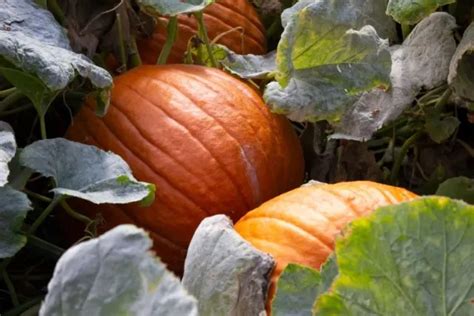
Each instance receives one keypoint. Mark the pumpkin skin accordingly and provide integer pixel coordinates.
(204, 138)
(300, 226)
(220, 17)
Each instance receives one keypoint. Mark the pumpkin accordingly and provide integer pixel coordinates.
(300, 226)
(204, 138)
(235, 21)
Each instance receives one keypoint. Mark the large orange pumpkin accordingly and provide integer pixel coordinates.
(205, 138)
(300, 226)
(236, 20)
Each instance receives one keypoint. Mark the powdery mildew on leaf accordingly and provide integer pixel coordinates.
(461, 76)
(32, 40)
(422, 61)
(173, 7)
(115, 274)
(85, 171)
(13, 208)
(413, 258)
(224, 272)
(413, 11)
(250, 66)
(327, 57)
(7, 150)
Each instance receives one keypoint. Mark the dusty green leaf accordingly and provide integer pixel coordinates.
(461, 76)
(440, 129)
(326, 58)
(7, 150)
(250, 66)
(413, 11)
(85, 172)
(13, 208)
(412, 258)
(461, 188)
(224, 272)
(115, 274)
(369, 12)
(421, 62)
(299, 286)
(33, 42)
(173, 7)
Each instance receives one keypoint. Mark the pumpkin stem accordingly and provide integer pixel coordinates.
(171, 35)
(204, 37)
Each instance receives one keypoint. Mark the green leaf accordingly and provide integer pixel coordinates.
(413, 11)
(85, 172)
(299, 286)
(461, 188)
(461, 77)
(13, 208)
(421, 62)
(38, 93)
(115, 274)
(326, 58)
(250, 66)
(224, 272)
(440, 129)
(7, 151)
(412, 258)
(33, 42)
(173, 7)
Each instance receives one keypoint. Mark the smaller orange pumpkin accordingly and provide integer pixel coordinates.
(235, 22)
(300, 226)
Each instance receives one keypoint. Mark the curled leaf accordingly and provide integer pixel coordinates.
(31, 41)
(85, 172)
(7, 150)
(115, 274)
(250, 66)
(224, 272)
(460, 71)
(421, 62)
(413, 11)
(13, 208)
(461, 188)
(327, 57)
(173, 7)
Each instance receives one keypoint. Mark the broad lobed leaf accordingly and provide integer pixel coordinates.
(13, 208)
(85, 172)
(115, 274)
(173, 7)
(224, 272)
(413, 258)
(413, 11)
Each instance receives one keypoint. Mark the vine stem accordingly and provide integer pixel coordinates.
(42, 121)
(135, 59)
(11, 288)
(204, 37)
(86, 220)
(403, 152)
(406, 29)
(7, 92)
(171, 36)
(12, 98)
(44, 214)
(123, 53)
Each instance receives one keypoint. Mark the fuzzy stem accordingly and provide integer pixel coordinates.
(123, 52)
(11, 288)
(54, 7)
(171, 36)
(42, 121)
(135, 59)
(45, 246)
(7, 92)
(11, 99)
(403, 152)
(86, 220)
(44, 215)
(406, 29)
(204, 37)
